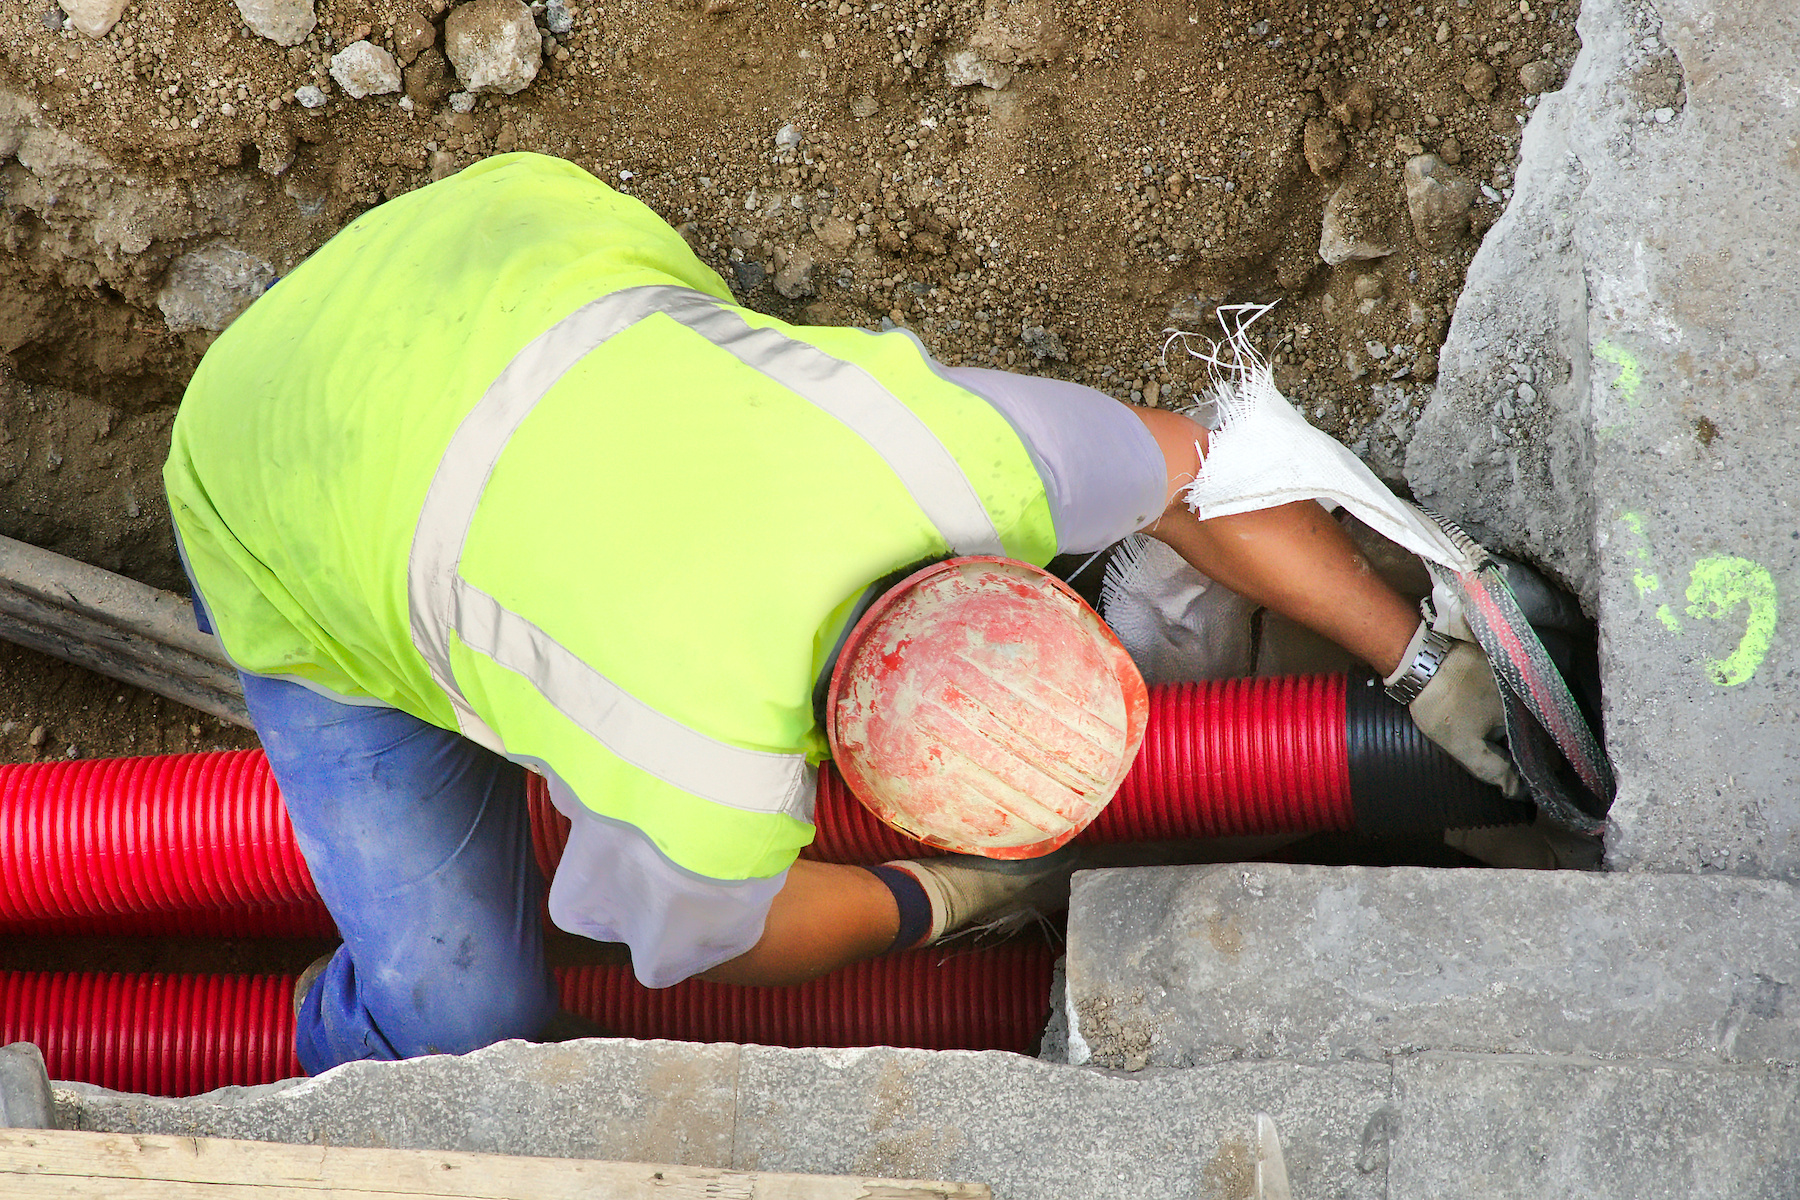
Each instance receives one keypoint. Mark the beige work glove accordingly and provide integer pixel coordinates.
(1460, 710)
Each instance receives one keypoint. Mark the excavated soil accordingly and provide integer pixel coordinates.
(1142, 164)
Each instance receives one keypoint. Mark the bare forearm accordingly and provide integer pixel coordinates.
(824, 917)
(1297, 561)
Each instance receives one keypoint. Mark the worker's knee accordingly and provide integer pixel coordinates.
(352, 1014)
(454, 1016)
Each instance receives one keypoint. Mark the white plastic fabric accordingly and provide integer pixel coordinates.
(1177, 625)
(1263, 454)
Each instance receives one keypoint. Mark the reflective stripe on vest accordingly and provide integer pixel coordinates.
(441, 601)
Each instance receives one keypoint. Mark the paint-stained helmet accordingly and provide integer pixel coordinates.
(981, 706)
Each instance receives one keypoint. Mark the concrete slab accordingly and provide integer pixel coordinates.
(1693, 328)
(1537, 1128)
(672, 1102)
(1641, 285)
(1177, 966)
(1033, 1130)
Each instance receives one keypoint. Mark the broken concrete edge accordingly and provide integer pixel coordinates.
(1039, 1131)
(1027, 1128)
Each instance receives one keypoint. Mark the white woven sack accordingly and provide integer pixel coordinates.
(1177, 625)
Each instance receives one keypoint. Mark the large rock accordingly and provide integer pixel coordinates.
(94, 17)
(285, 22)
(1353, 227)
(207, 288)
(494, 46)
(1438, 199)
(365, 69)
(1176, 966)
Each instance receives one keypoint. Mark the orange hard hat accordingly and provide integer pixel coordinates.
(981, 706)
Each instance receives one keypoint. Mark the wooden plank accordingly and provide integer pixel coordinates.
(46, 1163)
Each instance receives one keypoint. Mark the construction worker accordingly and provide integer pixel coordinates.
(501, 478)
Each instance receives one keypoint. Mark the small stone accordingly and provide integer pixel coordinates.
(37, 736)
(794, 279)
(1367, 286)
(1425, 366)
(1450, 150)
(443, 164)
(93, 17)
(462, 102)
(1526, 393)
(966, 68)
(787, 137)
(837, 234)
(310, 96)
(1480, 81)
(413, 35)
(1376, 350)
(1537, 76)
(207, 288)
(365, 69)
(557, 17)
(52, 19)
(1043, 343)
(494, 46)
(865, 105)
(1663, 116)
(748, 275)
(828, 40)
(1354, 106)
(428, 80)
(284, 22)
(1344, 234)
(1443, 33)
(1438, 200)
(1324, 145)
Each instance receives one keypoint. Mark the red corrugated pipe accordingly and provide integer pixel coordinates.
(90, 841)
(168, 1035)
(174, 1035)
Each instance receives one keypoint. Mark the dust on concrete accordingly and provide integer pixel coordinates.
(1037, 186)
(1116, 1032)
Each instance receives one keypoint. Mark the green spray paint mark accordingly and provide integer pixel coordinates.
(1670, 621)
(1626, 383)
(1645, 581)
(1716, 586)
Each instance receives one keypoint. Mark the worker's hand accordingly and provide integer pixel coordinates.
(1460, 710)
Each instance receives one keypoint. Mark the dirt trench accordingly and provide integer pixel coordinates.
(1044, 187)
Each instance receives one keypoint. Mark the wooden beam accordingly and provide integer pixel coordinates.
(36, 1164)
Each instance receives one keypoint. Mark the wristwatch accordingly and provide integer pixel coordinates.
(1424, 655)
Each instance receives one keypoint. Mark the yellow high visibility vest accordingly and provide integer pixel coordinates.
(505, 455)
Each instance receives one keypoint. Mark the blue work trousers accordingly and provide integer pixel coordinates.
(420, 844)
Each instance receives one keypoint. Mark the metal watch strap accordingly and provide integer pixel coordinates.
(1423, 660)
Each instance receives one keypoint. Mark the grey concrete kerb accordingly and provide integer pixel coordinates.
(1641, 285)
(1032, 1130)
(1179, 966)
